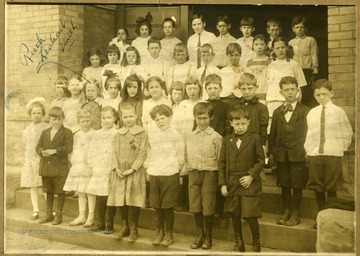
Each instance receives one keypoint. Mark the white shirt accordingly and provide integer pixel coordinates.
(219, 45)
(289, 113)
(246, 49)
(306, 52)
(230, 78)
(192, 43)
(338, 131)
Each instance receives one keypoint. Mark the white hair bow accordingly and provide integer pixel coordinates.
(36, 99)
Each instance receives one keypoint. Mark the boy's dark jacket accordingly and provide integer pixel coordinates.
(288, 137)
(247, 160)
(57, 164)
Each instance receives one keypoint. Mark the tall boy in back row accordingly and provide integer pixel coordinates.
(286, 148)
(329, 135)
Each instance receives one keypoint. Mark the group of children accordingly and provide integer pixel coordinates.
(124, 134)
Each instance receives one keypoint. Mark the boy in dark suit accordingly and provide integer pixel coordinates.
(241, 161)
(54, 146)
(286, 149)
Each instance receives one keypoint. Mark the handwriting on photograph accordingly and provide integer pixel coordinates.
(41, 49)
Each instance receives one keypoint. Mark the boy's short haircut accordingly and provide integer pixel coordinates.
(247, 21)
(162, 109)
(111, 110)
(213, 79)
(223, 18)
(233, 47)
(288, 80)
(126, 106)
(238, 113)
(153, 40)
(247, 78)
(56, 112)
(203, 108)
(113, 49)
(261, 37)
(180, 47)
(299, 19)
(198, 16)
(206, 48)
(83, 113)
(322, 83)
(273, 22)
(178, 86)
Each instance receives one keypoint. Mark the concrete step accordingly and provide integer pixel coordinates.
(272, 235)
(17, 220)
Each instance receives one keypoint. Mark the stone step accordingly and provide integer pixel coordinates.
(272, 235)
(17, 220)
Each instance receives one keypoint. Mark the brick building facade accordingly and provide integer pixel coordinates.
(65, 32)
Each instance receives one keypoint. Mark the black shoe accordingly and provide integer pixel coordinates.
(207, 243)
(255, 247)
(239, 246)
(57, 218)
(284, 218)
(124, 231)
(47, 218)
(199, 240)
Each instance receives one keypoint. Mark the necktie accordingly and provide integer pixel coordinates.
(203, 75)
(287, 108)
(198, 53)
(239, 136)
(322, 130)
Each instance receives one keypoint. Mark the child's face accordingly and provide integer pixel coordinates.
(113, 89)
(180, 57)
(95, 60)
(155, 90)
(168, 28)
(259, 47)
(121, 35)
(56, 122)
(154, 49)
(107, 119)
(132, 89)
(59, 89)
(274, 31)
(280, 50)
(198, 26)
(240, 125)
(162, 122)
(85, 123)
(113, 57)
(248, 91)
(223, 28)
(299, 29)
(202, 121)
(213, 90)
(91, 92)
(129, 117)
(247, 30)
(206, 57)
(234, 58)
(289, 91)
(144, 31)
(323, 95)
(36, 114)
(74, 87)
(177, 96)
(131, 57)
(193, 91)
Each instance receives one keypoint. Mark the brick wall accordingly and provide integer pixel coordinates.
(38, 39)
(342, 66)
(342, 55)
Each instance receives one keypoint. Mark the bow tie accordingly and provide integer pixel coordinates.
(287, 108)
(239, 136)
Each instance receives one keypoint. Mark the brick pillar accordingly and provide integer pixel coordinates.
(342, 55)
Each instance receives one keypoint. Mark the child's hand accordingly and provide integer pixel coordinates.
(246, 181)
(119, 173)
(224, 191)
(181, 180)
(128, 172)
(48, 152)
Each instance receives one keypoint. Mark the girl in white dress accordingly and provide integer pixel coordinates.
(143, 30)
(101, 163)
(170, 40)
(121, 41)
(79, 175)
(30, 172)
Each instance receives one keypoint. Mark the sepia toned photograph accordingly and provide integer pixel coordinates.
(180, 129)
